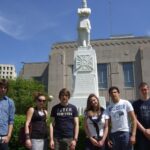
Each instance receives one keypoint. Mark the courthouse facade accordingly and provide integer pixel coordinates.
(121, 61)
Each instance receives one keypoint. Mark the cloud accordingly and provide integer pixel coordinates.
(25, 28)
(10, 28)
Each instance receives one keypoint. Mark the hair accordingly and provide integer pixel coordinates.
(36, 95)
(64, 91)
(142, 84)
(4, 82)
(88, 106)
(113, 88)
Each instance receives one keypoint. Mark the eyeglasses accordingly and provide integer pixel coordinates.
(41, 100)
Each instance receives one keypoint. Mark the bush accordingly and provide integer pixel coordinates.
(14, 144)
(19, 122)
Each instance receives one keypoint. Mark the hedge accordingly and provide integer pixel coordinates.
(20, 120)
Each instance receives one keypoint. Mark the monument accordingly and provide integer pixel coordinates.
(85, 62)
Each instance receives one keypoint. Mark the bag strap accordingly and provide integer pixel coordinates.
(95, 122)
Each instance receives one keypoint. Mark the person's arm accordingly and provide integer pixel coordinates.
(134, 126)
(76, 128)
(6, 139)
(140, 127)
(27, 124)
(11, 110)
(88, 134)
(51, 133)
(76, 132)
(110, 143)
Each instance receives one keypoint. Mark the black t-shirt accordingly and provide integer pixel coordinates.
(142, 111)
(64, 120)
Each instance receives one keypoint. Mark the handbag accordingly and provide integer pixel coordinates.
(22, 135)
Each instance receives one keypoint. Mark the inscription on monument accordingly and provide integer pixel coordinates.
(84, 81)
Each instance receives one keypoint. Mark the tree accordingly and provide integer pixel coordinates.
(21, 91)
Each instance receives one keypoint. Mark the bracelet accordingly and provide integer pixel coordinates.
(75, 139)
(27, 136)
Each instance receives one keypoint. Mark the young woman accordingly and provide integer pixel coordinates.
(36, 126)
(95, 124)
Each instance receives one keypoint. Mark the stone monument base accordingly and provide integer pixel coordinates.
(81, 102)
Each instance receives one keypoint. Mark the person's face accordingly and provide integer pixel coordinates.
(3, 91)
(94, 101)
(115, 96)
(144, 91)
(64, 98)
(41, 101)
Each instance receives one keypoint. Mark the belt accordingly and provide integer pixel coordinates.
(1, 137)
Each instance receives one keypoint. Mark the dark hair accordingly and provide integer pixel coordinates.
(142, 84)
(36, 95)
(64, 91)
(4, 82)
(88, 106)
(113, 88)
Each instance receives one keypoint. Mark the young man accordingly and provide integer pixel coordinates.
(64, 127)
(7, 111)
(142, 111)
(120, 111)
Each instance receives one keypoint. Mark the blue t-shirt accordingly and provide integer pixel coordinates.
(64, 120)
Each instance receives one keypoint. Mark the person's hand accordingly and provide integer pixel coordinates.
(28, 144)
(5, 139)
(147, 133)
(94, 141)
(110, 144)
(101, 143)
(132, 139)
(73, 144)
(51, 144)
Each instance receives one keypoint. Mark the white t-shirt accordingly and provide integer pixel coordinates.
(101, 124)
(118, 113)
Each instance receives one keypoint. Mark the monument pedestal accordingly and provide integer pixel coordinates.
(85, 77)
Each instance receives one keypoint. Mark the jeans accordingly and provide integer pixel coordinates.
(62, 144)
(90, 146)
(3, 146)
(142, 143)
(121, 140)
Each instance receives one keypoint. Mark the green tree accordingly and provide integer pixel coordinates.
(21, 91)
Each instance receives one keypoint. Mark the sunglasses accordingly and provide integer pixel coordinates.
(41, 100)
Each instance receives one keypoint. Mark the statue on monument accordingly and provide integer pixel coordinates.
(84, 25)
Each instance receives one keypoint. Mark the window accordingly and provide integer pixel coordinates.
(128, 74)
(102, 75)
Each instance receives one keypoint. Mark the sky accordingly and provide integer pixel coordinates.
(29, 28)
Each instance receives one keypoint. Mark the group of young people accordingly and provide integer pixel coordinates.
(121, 126)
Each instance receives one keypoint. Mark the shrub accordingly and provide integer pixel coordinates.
(20, 120)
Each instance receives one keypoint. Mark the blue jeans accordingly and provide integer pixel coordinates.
(121, 140)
